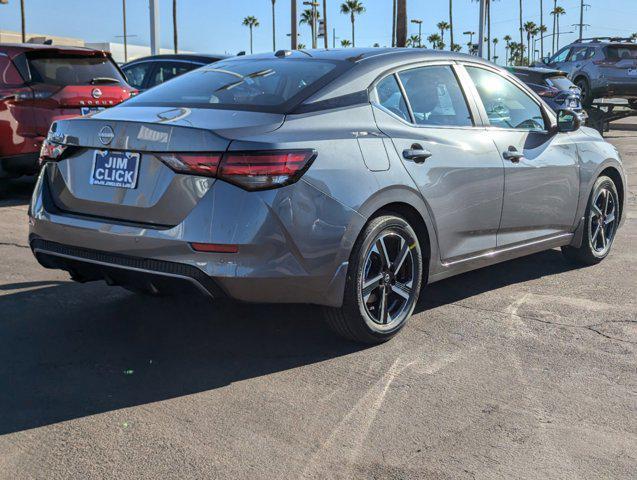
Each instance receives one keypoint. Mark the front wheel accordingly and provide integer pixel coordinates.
(383, 282)
(602, 218)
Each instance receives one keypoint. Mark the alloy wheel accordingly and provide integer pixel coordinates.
(602, 221)
(387, 288)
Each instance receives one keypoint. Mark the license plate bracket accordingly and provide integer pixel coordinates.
(115, 169)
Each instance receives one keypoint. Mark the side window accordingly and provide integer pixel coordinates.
(9, 76)
(391, 98)
(136, 74)
(579, 54)
(435, 96)
(168, 71)
(506, 104)
(561, 56)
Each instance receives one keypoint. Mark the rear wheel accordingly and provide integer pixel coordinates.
(586, 95)
(383, 282)
(602, 218)
(633, 103)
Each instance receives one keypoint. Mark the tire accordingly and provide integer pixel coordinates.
(586, 97)
(596, 241)
(632, 104)
(394, 278)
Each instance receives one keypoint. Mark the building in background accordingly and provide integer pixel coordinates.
(8, 36)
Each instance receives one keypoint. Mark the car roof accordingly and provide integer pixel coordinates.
(199, 58)
(17, 48)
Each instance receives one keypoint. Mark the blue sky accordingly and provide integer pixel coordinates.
(215, 25)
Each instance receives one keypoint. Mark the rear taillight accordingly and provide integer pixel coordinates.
(250, 170)
(264, 170)
(51, 152)
(205, 164)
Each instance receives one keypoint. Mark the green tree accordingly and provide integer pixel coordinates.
(557, 13)
(352, 8)
(251, 22)
(436, 41)
(413, 41)
(346, 43)
(507, 45)
(442, 26)
(495, 42)
(306, 18)
(529, 28)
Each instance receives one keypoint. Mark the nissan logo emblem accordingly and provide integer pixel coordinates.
(97, 93)
(106, 135)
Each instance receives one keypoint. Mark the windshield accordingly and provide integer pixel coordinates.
(560, 82)
(262, 85)
(73, 70)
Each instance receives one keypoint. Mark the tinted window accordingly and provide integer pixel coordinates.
(435, 96)
(578, 54)
(136, 74)
(71, 70)
(560, 82)
(390, 97)
(262, 85)
(561, 56)
(620, 52)
(506, 104)
(9, 76)
(167, 71)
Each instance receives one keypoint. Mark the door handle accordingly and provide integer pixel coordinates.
(416, 153)
(513, 155)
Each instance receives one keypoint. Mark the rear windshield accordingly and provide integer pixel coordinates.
(269, 85)
(73, 70)
(560, 82)
(619, 52)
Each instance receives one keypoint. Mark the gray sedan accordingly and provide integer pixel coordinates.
(344, 178)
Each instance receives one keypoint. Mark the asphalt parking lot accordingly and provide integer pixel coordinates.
(522, 370)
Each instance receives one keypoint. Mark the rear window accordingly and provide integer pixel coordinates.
(559, 82)
(73, 70)
(620, 52)
(269, 85)
(9, 76)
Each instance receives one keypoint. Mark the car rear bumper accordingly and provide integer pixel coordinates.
(610, 89)
(293, 245)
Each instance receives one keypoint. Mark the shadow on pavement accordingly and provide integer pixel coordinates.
(16, 192)
(70, 350)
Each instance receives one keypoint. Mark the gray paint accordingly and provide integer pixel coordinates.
(295, 241)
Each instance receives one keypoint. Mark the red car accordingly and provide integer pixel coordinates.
(43, 83)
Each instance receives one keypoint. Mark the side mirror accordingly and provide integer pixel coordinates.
(567, 121)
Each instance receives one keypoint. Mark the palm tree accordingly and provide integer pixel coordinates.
(455, 47)
(346, 43)
(306, 18)
(553, 45)
(273, 28)
(542, 29)
(451, 25)
(175, 37)
(442, 26)
(353, 8)
(436, 41)
(633, 37)
(495, 42)
(22, 22)
(522, 31)
(507, 39)
(393, 24)
(529, 28)
(413, 41)
(557, 11)
(300, 46)
(251, 22)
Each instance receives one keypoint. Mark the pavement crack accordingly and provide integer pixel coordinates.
(13, 244)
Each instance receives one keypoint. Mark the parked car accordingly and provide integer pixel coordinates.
(147, 72)
(553, 86)
(604, 67)
(40, 84)
(344, 178)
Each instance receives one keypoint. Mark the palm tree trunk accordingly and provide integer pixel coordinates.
(554, 6)
(294, 39)
(557, 40)
(353, 40)
(521, 35)
(401, 23)
(175, 38)
(541, 33)
(273, 28)
(325, 39)
(22, 22)
(393, 24)
(489, 30)
(250, 39)
(451, 25)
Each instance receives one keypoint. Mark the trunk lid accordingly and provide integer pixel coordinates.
(161, 197)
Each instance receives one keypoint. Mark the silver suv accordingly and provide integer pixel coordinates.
(603, 67)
